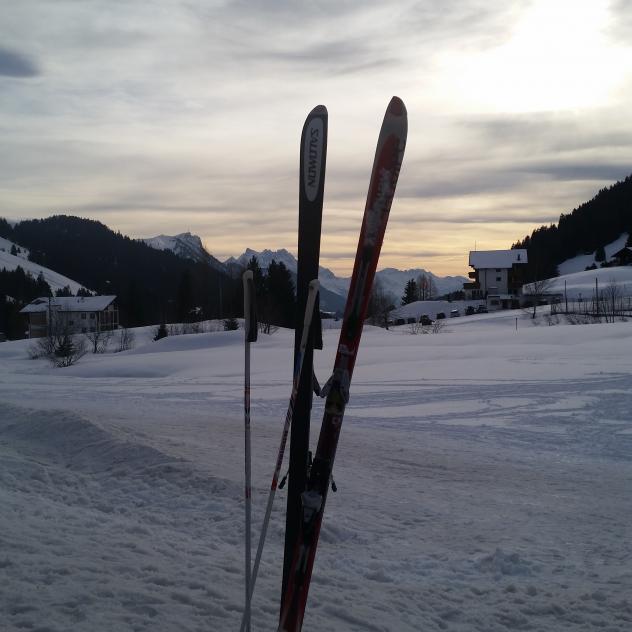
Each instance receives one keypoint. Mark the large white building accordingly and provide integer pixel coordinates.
(80, 314)
(497, 277)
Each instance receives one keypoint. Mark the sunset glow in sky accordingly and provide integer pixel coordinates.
(165, 117)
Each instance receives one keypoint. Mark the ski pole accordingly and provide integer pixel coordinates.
(298, 366)
(250, 327)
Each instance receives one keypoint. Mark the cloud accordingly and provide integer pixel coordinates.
(621, 23)
(553, 131)
(15, 64)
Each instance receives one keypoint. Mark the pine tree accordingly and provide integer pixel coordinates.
(411, 292)
(281, 300)
(258, 277)
(600, 254)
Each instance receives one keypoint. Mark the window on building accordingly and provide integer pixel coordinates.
(91, 316)
(497, 269)
(498, 278)
(83, 315)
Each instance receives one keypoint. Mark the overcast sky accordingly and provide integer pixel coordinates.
(159, 116)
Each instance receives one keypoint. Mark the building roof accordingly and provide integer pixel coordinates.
(69, 304)
(480, 259)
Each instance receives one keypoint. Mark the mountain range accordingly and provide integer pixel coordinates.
(333, 288)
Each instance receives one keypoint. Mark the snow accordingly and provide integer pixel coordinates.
(11, 262)
(583, 283)
(481, 259)
(184, 245)
(6, 245)
(432, 308)
(581, 262)
(483, 481)
(69, 304)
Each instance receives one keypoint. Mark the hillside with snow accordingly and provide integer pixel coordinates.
(483, 480)
(10, 262)
(581, 262)
(583, 284)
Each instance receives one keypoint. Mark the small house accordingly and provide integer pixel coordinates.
(80, 314)
(623, 257)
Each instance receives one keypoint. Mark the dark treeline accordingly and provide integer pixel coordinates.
(17, 288)
(584, 230)
(276, 297)
(151, 285)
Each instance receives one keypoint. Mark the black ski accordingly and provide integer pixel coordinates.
(313, 155)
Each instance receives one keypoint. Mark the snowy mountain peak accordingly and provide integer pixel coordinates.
(265, 258)
(185, 245)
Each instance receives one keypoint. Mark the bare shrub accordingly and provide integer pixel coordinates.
(267, 328)
(125, 339)
(192, 328)
(61, 347)
(99, 340)
(438, 326)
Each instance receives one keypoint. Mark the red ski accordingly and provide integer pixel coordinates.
(386, 166)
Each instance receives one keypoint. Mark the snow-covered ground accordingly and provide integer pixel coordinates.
(484, 483)
(432, 308)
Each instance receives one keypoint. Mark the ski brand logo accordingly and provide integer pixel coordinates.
(312, 158)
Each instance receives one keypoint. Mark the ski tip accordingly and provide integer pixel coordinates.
(319, 110)
(396, 107)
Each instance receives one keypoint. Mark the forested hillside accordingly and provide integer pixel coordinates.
(151, 285)
(587, 228)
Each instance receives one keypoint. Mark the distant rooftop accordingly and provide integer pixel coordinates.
(69, 304)
(481, 259)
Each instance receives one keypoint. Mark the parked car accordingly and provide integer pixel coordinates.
(470, 310)
(454, 313)
(482, 309)
(425, 320)
(440, 315)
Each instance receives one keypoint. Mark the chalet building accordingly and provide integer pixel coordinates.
(497, 277)
(623, 257)
(81, 314)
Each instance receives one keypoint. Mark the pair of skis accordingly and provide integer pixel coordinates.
(312, 494)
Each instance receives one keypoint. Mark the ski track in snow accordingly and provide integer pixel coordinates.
(484, 490)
